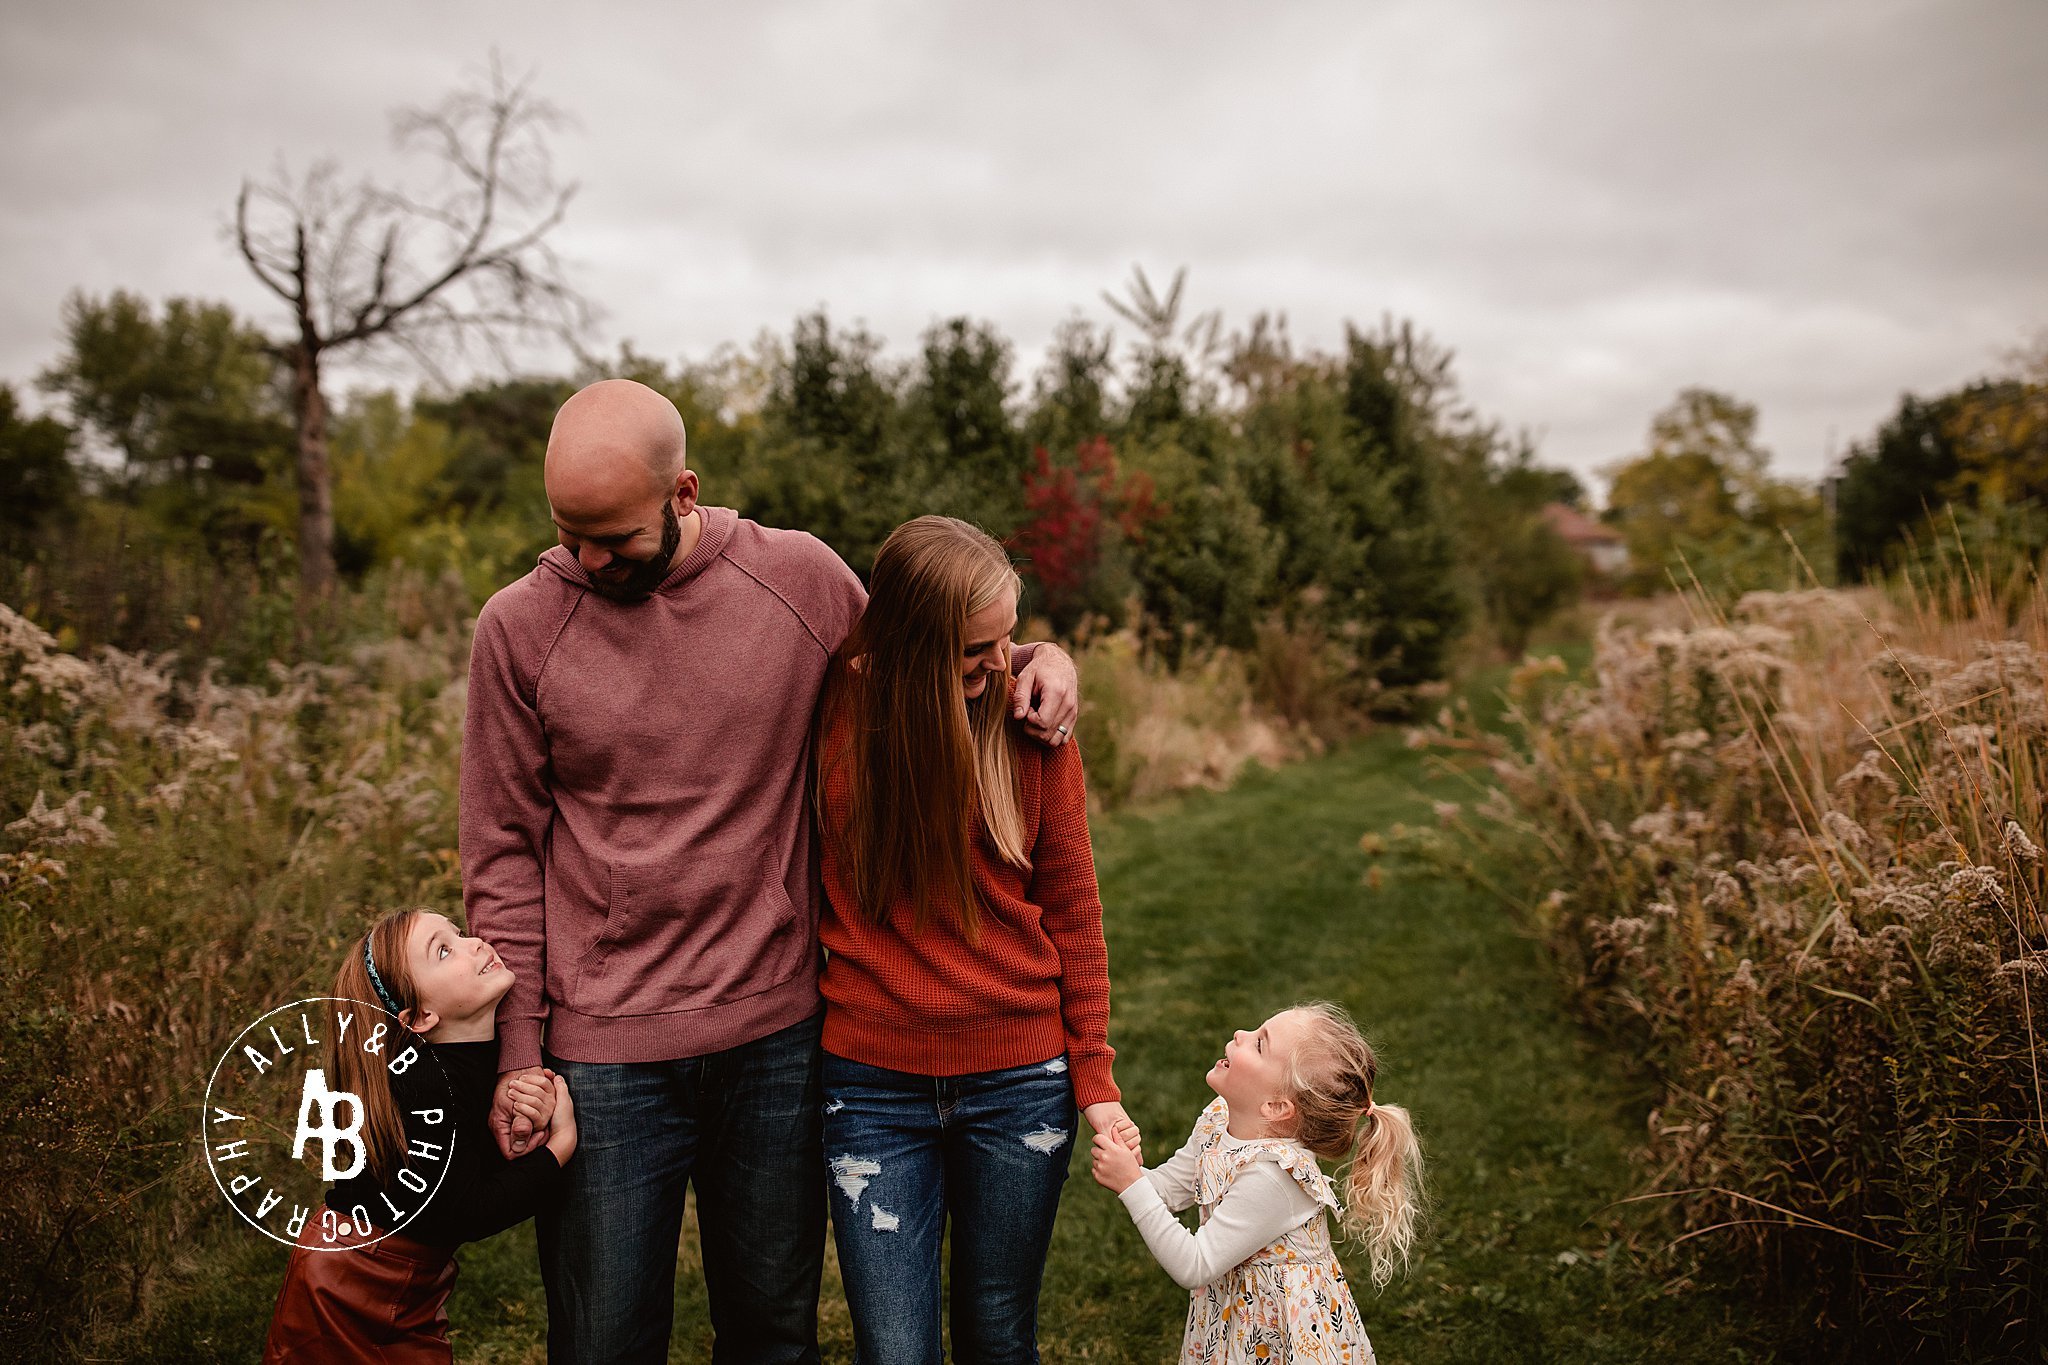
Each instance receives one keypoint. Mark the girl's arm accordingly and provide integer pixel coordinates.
(1264, 1202)
(1174, 1178)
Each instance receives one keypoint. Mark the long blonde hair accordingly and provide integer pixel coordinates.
(366, 1074)
(1333, 1073)
(920, 761)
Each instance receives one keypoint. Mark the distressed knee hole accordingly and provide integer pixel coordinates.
(852, 1174)
(883, 1220)
(1047, 1140)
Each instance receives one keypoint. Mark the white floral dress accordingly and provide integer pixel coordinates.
(1289, 1302)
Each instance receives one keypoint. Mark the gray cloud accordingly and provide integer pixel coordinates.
(1814, 206)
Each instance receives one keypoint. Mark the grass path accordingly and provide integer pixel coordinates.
(1222, 908)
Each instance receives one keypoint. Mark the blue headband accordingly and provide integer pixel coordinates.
(377, 981)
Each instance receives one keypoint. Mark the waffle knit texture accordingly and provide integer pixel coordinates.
(1032, 985)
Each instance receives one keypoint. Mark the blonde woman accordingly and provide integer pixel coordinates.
(967, 989)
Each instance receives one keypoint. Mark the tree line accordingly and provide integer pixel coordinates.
(1204, 487)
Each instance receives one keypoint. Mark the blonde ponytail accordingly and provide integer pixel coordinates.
(1333, 1073)
(1383, 1189)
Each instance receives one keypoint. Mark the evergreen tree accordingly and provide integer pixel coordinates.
(1397, 571)
(961, 445)
(1889, 487)
(38, 483)
(831, 459)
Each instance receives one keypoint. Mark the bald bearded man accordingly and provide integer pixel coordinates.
(637, 847)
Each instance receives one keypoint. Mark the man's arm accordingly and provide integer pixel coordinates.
(506, 810)
(1046, 695)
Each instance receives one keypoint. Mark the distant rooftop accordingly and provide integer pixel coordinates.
(1576, 528)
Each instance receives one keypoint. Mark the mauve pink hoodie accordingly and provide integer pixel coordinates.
(636, 840)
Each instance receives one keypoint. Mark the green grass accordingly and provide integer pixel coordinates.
(1223, 908)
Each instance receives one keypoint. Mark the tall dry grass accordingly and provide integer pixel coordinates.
(178, 855)
(1790, 854)
(1148, 731)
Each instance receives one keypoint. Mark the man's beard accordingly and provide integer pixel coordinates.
(646, 574)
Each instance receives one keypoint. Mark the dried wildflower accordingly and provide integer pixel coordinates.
(1849, 836)
(2033, 966)
(50, 826)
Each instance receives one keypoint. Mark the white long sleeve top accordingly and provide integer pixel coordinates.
(1262, 1204)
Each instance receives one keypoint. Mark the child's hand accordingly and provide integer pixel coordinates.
(562, 1132)
(515, 1134)
(1115, 1166)
(1109, 1117)
(532, 1096)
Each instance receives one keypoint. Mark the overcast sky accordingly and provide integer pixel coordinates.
(1814, 206)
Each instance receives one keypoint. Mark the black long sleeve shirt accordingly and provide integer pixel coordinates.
(481, 1194)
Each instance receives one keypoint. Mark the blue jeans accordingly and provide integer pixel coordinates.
(905, 1152)
(742, 1127)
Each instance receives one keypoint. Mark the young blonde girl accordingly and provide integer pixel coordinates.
(371, 1274)
(1266, 1283)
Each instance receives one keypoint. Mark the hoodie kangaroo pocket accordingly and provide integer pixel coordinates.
(673, 941)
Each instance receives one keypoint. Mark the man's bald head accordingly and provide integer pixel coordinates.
(618, 486)
(611, 440)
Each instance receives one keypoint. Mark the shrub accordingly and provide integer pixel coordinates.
(1790, 856)
(179, 854)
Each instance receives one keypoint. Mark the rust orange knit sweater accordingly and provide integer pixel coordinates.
(1034, 984)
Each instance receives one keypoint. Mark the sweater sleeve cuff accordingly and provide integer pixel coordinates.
(518, 1044)
(1093, 1083)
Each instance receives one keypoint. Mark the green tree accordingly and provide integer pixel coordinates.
(390, 481)
(1972, 464)
(38, 482)
(1700, 502)
(501, 438)
(1516, 569)
(830, 459)
(1690, 482)
(960, 442)
(1394, 381)
(1890, 485)
(190, 396)
(1071, 391)
(190, 400)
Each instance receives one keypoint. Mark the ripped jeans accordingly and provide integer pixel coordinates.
(903, 1154)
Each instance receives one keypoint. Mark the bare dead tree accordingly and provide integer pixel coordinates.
(363, 266)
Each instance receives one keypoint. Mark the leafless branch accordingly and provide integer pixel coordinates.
(465, 262)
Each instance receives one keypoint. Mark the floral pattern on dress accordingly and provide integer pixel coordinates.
(1287, 1303)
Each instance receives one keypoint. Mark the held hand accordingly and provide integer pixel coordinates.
(562, 1135)
(513, 1130)
(533, 1097)
(1116, 1167)
(1047, 696)
(1109, 1118)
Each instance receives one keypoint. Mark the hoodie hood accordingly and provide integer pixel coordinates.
(717, 523)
